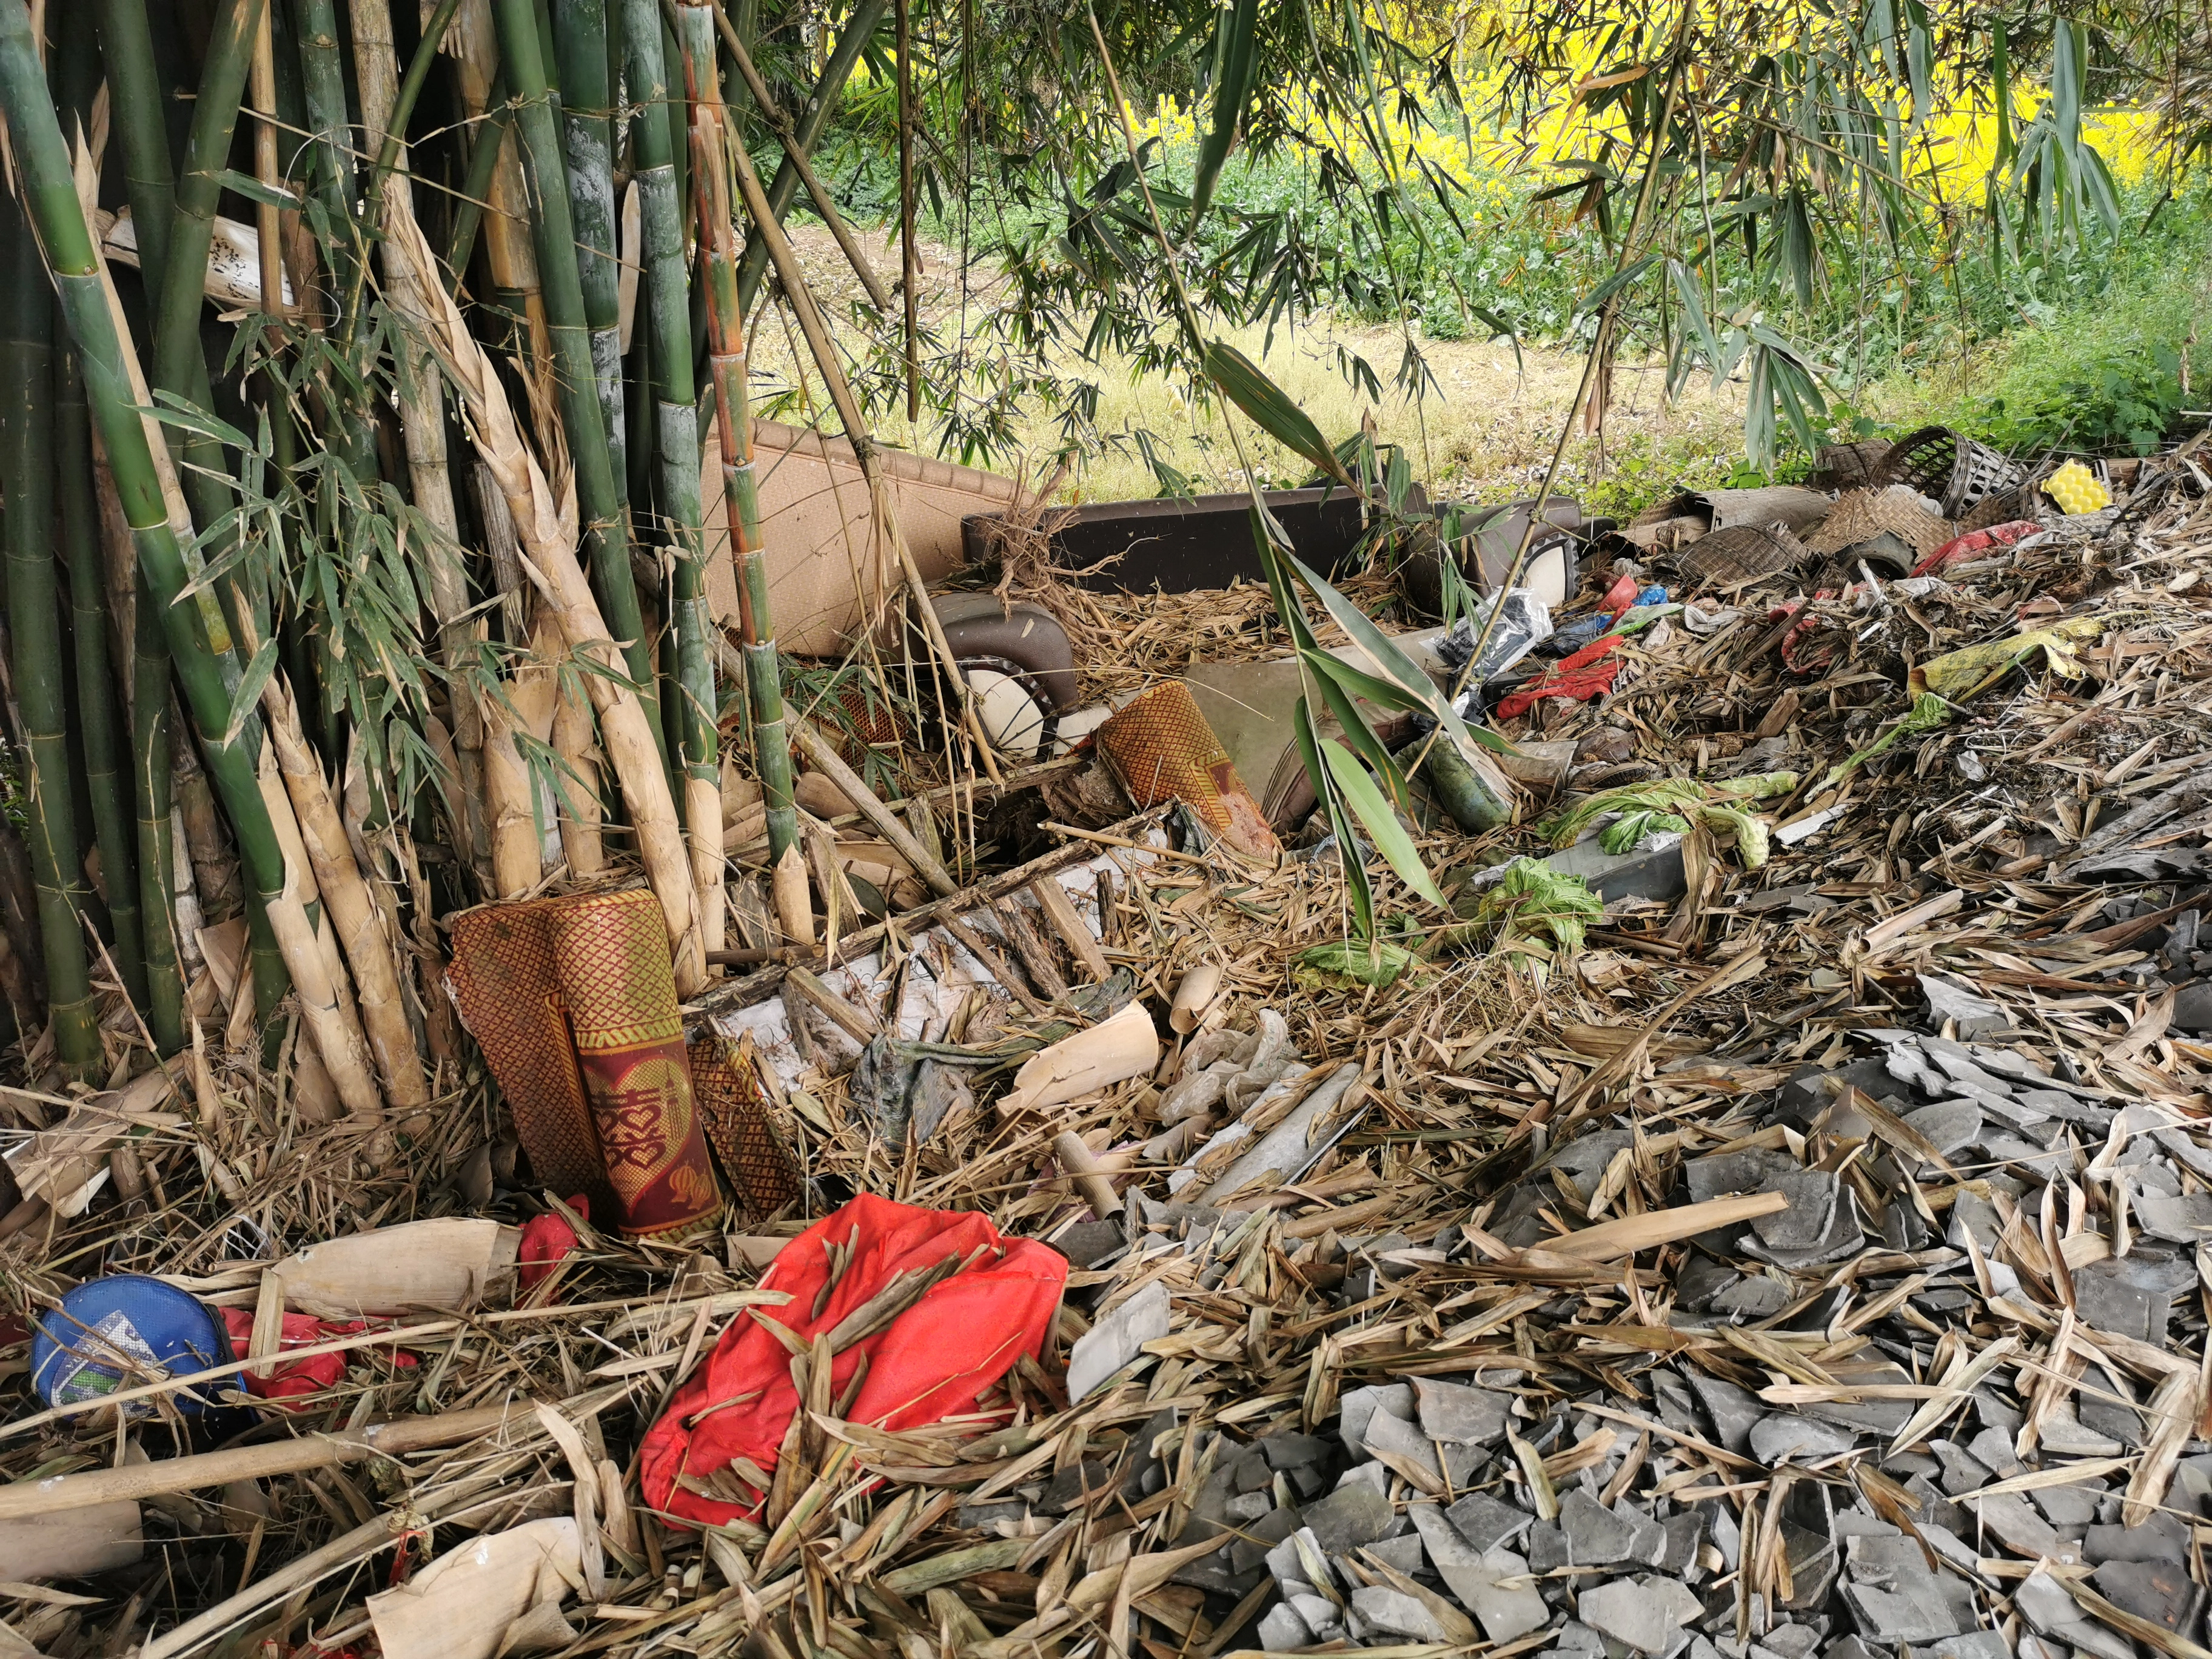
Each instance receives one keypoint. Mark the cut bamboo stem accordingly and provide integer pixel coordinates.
(824, 758)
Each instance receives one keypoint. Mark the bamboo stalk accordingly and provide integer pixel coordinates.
(508, 249)
(347, 905)
(153, 791)
(422, 414)
(150, 792)
(581, 843)
(545, 525)
(89, 302)
(134, 101)
(26, 473)
(676, 429)
(597, 496)
(713, 148)
(107, 784)
(268, 233)
(586, 93)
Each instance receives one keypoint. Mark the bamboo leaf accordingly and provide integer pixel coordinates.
(246, 184)
(1358, 732)
(1236, 68)
(1352, 852)
(1375, 816)
(1271, 408)
(247, 696)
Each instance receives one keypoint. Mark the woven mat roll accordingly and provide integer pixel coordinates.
(1160, 748)
(574, 1003)
(1861, 513)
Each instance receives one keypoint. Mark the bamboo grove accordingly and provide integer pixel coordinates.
(350, 497)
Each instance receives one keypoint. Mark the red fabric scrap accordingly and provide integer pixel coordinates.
(1998, 535)
(546, 1241)
(1589, 673)
(1619, 597)
(290, 1378)
(933, 1361)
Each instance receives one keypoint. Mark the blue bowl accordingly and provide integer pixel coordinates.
(119, 1333)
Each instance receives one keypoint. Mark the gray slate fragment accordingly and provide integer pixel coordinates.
(1967, 1644)
(1785, 1436)
(1485, 1522)
(2012, 1521)
(1403, 1552)
(1467, 1416)
(2161, 1537)
(1358, 1405)
(1948, 1000)
(1281, 1630)
(1117, 1340)
(1948, 1125)
(1646, 1615)
(2160, 1591)
(1473, 1576)
(1353, 1515)
(1403, 1440)
(1733, 1410)
(1596, 1537)
(2043, 1601)
(1385, 1609)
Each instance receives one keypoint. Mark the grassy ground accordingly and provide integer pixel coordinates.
(1484, 428)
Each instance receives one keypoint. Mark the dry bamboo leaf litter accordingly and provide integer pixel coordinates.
(1807, 1263)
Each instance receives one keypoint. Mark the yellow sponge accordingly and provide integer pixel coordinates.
(2076, 489)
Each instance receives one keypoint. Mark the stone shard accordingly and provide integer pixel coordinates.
(1352, 1515)
(1784, 1438)
(1117, 1339)
(1475, 1577)
(1358, 1405)
(1485, 1523)
(2050, 1611)
(1467, 1416)
(2161, 1537)
(1969, 1015)
(1382, 1608)
(1646, 1613)
(1596, 1537)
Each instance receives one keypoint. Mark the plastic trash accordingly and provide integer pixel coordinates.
(121, 1332)
(1524, 622)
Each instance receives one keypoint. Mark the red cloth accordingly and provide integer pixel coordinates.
(1621, 596)
(1998, 535)
(546, 1241)
(291, 1378)
(931, 1362)
(1589, 673)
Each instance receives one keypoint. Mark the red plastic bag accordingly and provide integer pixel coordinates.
(931, 1362)
(1589, 673)
(290, 1378)
(1974, 541)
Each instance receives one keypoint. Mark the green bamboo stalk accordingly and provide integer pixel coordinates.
(579, 49)
(135, 103)
(710, 171)
(155, 789)
(27, 475)
(199, 189)
(575, 380)
(108, 782)
(829, 88)
(668, 308)
(476, 186)
(43, 164)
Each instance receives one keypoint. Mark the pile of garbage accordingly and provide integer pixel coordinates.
(1764, 1218)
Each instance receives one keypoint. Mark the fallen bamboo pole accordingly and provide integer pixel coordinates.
(26, 1498)
(826, 760)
